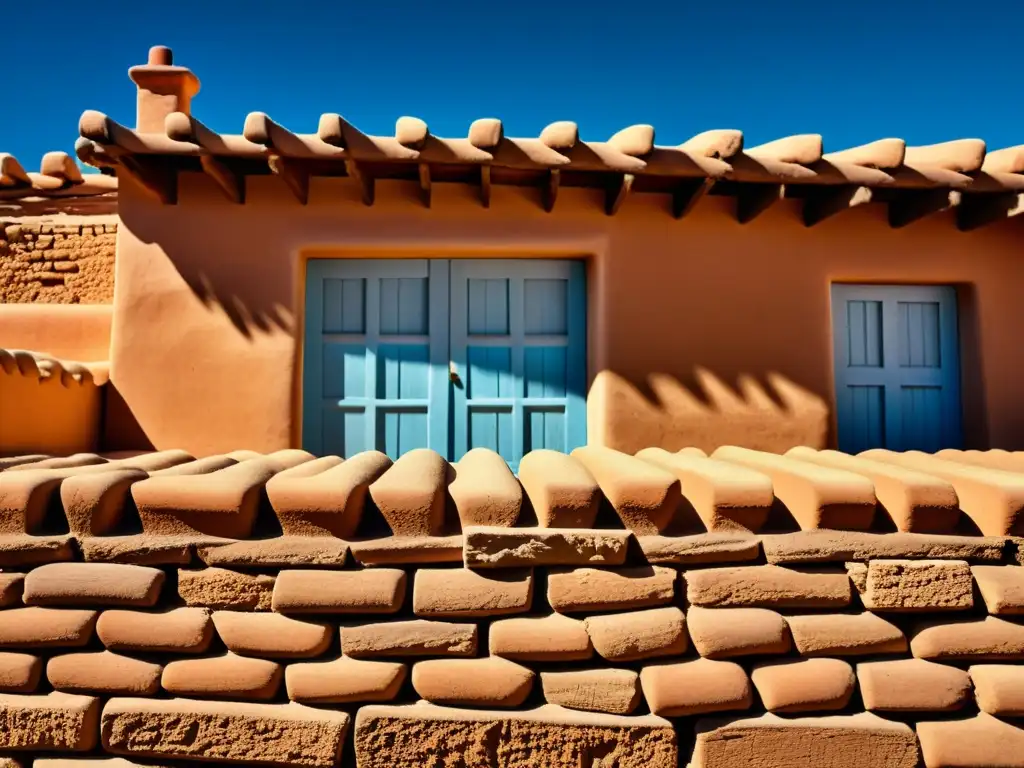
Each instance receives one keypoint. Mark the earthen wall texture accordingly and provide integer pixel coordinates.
(746, 608)
(51, 261)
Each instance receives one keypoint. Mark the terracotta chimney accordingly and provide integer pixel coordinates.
(163, 89)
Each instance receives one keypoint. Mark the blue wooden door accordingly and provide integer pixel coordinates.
(897, 367)
(376, 356)
(518, 347)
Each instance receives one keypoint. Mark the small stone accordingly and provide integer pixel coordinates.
(616, 691)
(804, 685)
(719, 633)
(548, 638)
(696, 687)
(639, 635)
(409, 638)
(845, 634)
(490, 682)
(912, 685)
(344, 680)
(999, 689)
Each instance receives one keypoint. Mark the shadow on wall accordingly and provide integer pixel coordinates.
(774, 416)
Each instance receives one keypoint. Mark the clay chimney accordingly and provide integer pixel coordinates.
(163, 89)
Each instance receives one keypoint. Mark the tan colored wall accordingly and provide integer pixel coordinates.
(66, 331)
(208, 310)
(57, 260)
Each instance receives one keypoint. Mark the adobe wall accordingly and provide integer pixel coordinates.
(702, 331)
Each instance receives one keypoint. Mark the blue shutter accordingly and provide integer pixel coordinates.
(518, 345)
(897, 367)
(375, 356)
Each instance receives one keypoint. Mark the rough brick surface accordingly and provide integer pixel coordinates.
(36, 627)
(281, 552)
(912, 685)
(381, 590)
(418, 735)
(409, 638)
(918, 585)
(19, 672)
(489, 682)
(1001, 587)
(804, 685)
(616, 691)
(178, 630)
(700, 548)
(223, 677)
(999, 689)
(221, 588)
(462, 592)
(976, 742)
(485, 491)
(224, 731)
(56, 721)
(719, 633)
(970, 640)
(600, 589)
(103, 672)
(768, 586)
(545, 638)
(344, 680)
(11, 586)
(845, 546)
(695, 687)
(640, 635)
(841, 741)
(845, 634)
(397, 550)
(644, 495)
(411, 494)
(562, 491)
(271, 635)
(508, 547)
(93, 584)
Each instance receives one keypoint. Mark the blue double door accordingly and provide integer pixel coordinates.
(444, 354)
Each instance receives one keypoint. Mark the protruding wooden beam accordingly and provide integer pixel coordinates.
(804, 149)
(332, 129)
(977, 210)
(364, 180)
(1008, 160)
(232, 184)
(485, 186)
(93, 154)
(909, 205)
(59, 165)
(425, 184)
(635, 141)
(411, 132)
(560, 136)
(617, 193)
(719, 145)
(550, 191)
(824, 201)
(486, 133)
(295, 177)
(882, 154)
(960, 156)
(11, 172)
(687, 194)
(754, 199)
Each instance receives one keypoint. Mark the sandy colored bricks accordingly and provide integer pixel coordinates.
(224, 589)
(918, 585)
(726, 497)
(325, 497)
(645, 496)
(838, 741)
(406, 737)
(768, 586)
(344, 680)
(985, 639)
(616, 691)
(19, 672)
(719, 633)
(11, 586)
(562, 491)
(419, 637)
(804, 685)
(46, 627)
(412, 493)
(485, 491)
(695, 687)
(400, 550)
(93, 584)
(640, 635)
(271, 635)
(281, 552)
(805, 547)
(224, 731)
(56, 721)
(546, 638)
(379, 590)
(488, 682)
(508, 547)
(223, 677)
(599, 589)
(103, 672)
(816, 496)
(845, 634)
(700, 549)
(981, 740)
(1001, 587)
(999, 689)
(912, 685)
(462, 592)
(94, 504)
(176, 630)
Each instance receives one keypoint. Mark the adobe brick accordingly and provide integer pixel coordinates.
(616, 691)
(485, 491)
(282, 552)
(271, 635)
(700, 549)
(595, 589)
(225, 589)
(981, 740)
(94, 504)
(912, 685)
(224, 731)
(19, 551)
(985, 639)
(136, 549)
(223, 677)
(412, 493)
(408, 550)
(419, 637)
(94, 584)
(562, 491)
(378, 590)
(55, 721)
(999, 689)
(845, 634)
(640, 635)
(19, 672)
(176, 630)
(1001, 587)
(103, 672)
(918, 585)
(36, 627)
(695, 687)
(837, 741)
(804, 685)
(11, 586)
(805, 547)
(508, 547)
(488, 682)
(767, 586)
(720, 633)
(462, 592)
(644, 495)
(344, 680)
(546, 638)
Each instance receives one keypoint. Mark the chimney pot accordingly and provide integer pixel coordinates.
(162, 89)
(161, 55)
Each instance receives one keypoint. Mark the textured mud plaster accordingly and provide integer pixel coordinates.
(928, 585)
(54, 721)
(424, 735)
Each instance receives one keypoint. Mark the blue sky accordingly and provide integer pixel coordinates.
(854, 72)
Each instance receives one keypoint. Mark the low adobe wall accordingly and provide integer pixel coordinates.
(655, 611)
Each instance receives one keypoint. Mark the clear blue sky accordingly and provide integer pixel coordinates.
(856, 71)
